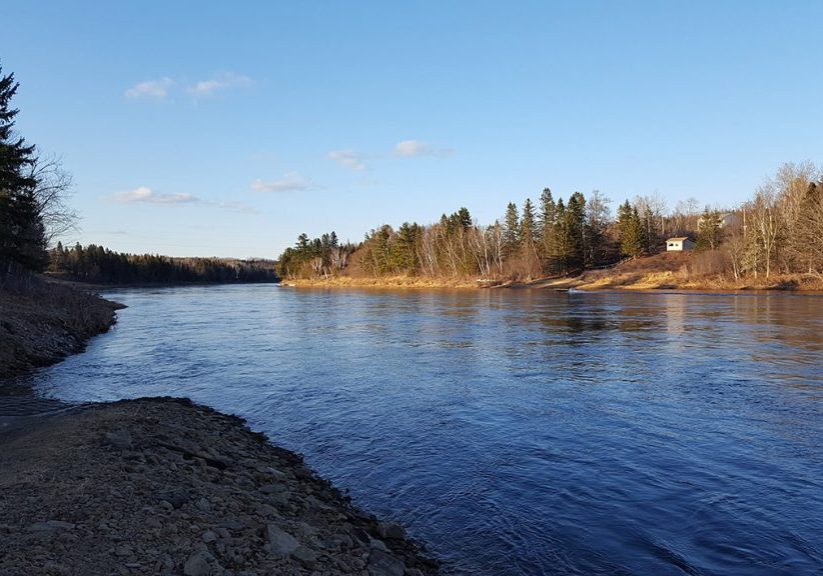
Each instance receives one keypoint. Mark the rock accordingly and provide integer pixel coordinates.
(391, 531)
(198, 564)
(208, 536)
(384, 564)
(203, 505)
(175, 497)
(272, 488)
(120, 439)
(306, 556)
(280, 542)
(122, 551)
(50, 526)
(378, 544)
(362, 536)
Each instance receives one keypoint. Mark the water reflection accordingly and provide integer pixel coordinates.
(518, 432)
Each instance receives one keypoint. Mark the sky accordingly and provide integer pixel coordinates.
(227, 129)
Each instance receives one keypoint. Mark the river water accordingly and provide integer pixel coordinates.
(515, 432)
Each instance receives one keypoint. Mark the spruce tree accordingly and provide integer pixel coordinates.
(511, 231)
(709, 231)
(528, 225)
(22, 234)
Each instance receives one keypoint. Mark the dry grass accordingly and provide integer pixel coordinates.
(665, 271)
(411, 282)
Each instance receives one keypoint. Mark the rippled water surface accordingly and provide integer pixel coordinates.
(516, 432)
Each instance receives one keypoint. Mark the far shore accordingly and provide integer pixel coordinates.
(590, 281)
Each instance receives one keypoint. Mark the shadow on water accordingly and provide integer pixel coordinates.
(516, 432)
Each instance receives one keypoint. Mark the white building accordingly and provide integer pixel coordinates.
(679, 244)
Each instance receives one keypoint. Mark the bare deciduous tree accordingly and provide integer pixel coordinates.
(52, 191)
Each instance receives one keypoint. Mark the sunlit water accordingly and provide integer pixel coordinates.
(515, 432)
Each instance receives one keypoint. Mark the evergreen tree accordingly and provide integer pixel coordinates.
(709, 230)
(511, 231)
(22, 234)
(631, 231)
(548, 215)
(561, 249)
(574, 229)
(528, 225)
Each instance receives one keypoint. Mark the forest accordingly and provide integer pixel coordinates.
(100, 265)
(778, 231)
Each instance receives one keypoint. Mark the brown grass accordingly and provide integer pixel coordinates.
(412, 282)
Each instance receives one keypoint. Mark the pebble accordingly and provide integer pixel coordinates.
(155, 511)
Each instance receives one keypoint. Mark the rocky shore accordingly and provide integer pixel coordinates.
(164, 486)
(42, 322)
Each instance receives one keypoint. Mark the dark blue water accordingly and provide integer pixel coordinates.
(516, 432)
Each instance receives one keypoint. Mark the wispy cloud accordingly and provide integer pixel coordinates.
(232, 206)
(146, 195)
(150, 89)
(412, 148)
(349, 159)
(217, 83)
(291, 182)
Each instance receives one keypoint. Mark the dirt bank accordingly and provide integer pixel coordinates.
(163, 486)
(672, 271)
(42, 322)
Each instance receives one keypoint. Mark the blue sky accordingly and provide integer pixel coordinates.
(229, 128)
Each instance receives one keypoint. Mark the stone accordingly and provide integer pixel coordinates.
(203, 505)
(272, 488)
(379, 545)
(175, 497)
(198, 564)
(280, 542)
(306, 556)
(384, 564)
(120, 439)
(50, 526)
(390, 531)
(208, 536)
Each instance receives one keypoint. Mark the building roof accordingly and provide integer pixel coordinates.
(677, 239)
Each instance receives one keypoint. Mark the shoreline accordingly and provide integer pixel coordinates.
(590, 281)
(42, 322)
(159, 485)
(166, 486)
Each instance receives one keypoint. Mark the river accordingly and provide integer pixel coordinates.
(516, 432)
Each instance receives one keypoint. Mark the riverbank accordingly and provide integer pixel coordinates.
(664, 271)
(410, 282)
(164, 486)
(42, 322)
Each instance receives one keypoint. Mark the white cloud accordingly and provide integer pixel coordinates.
(219, 82)
(348, 158)
(150, 89)
(291, 182)
(411, 148)
(146, 195)
(233, 206)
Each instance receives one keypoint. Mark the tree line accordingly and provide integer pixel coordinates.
(779, 230)
(100, 265)
(321, 256)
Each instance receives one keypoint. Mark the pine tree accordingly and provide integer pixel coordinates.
(548, 214)
(511, 231)
(22, 234)
(528, 225)
(631, 231)
(709, 230)
(575, 232)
